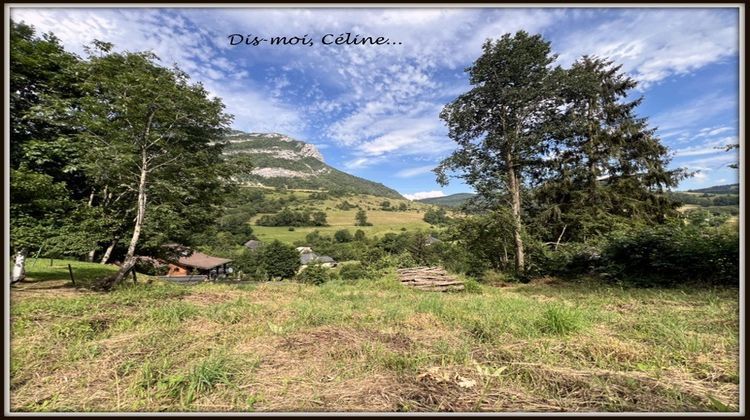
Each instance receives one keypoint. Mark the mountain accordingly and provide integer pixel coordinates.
(453, 200)
(719, 189)
(281, 161)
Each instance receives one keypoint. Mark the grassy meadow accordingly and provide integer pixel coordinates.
(368, 346)
(382, 221)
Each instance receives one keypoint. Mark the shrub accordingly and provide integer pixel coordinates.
(343, 235)
(279, 260)
(472, 286)
(435, 216)
(672, 254)
(359, 235)
(353, 271)
(314, 274)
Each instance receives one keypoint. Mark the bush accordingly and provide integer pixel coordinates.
(314, 274)
(343, 236)
(672, 254)
(278, 260)
(472, 286)
(353, 271)
(435, 216)
(570, 259)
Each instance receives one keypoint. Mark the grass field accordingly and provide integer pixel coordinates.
(369, 346)
(382, 221)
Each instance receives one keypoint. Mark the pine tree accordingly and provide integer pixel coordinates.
(606, 165)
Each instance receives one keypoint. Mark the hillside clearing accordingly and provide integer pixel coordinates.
(370, 346)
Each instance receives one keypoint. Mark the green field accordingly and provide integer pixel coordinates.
(382, 221)
(369, 346)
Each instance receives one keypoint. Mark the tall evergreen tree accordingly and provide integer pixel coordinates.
(500, 125)
(606, 164)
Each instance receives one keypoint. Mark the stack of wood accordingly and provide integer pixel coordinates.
(429, 278)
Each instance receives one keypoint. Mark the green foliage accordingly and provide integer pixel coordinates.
(288, 217)
(487, 239)
(278, 260)
(353, 271)
(359, 235)
(361, 218)
(436, 216)
(453, 200)
(560, 320)
(314, 274)
(343, 236)
(673, 254)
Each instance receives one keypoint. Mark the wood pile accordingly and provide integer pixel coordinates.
(429, 278)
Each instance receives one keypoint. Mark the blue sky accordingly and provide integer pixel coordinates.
(373, 110)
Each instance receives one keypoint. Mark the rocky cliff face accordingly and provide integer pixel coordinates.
(281, 161)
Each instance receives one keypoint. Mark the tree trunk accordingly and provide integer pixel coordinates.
(108, 252)
(515, 193)
(90, 256)
(130, 259)
(19, 268)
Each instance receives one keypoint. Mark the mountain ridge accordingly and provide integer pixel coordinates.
(283, 161)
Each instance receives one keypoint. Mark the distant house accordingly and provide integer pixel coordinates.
(199, 263)
(253, 245)
(307, 256)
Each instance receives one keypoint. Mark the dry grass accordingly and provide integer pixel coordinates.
(373, 346)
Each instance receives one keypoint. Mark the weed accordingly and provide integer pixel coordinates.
(560, 320)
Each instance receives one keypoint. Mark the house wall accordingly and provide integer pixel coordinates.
(176, 270)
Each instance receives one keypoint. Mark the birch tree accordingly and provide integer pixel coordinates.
(153, 138)
(500, 124)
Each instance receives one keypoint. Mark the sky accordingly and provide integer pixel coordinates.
(373, 110)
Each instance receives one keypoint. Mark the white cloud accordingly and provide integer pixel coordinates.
(653, 44)
(425, 194)
(700, 177)
(711, 163)
(705, 148)
(695, 112)
(411, 172)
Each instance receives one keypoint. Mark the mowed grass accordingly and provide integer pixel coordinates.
(373, 346)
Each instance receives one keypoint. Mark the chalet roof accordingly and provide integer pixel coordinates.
(202, 261)
(253, 244)
(311, 257)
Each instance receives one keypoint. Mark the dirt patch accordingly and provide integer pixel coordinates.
(47, 289)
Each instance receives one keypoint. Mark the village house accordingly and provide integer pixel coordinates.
(201, 264)
(307, 256)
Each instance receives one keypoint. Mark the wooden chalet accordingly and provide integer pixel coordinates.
(199, 263)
